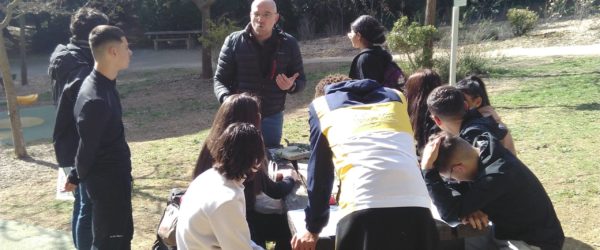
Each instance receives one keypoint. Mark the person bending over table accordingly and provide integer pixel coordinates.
(501, 187)
(361, 130)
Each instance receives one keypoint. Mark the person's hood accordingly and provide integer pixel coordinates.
(66, 58)
(359, 87)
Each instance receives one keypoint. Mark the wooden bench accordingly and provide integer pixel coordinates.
(169, 36)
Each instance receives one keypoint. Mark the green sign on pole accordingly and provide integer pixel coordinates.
(460, 3)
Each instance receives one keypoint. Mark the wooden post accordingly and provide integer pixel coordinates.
(429, 20)
(23, 48)
(207, 70)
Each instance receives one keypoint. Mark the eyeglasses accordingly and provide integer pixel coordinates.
(266, 15)
(449, 178)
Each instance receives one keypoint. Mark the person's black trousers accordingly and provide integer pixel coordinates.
(387, 228)
(112, 219)
(270, 227)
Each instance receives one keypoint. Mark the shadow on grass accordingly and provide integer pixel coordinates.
(40, 162)
(180, 103)
(506, 73)
(15, 235)
(574, 244)
(594, 106)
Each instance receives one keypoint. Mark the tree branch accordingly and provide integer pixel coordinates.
(8, 11)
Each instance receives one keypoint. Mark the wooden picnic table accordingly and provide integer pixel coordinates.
(451, 236)
(178, 35)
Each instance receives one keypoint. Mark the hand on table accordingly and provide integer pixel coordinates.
(478, 220)
(430, 153)
(286, 83)
(308, 241)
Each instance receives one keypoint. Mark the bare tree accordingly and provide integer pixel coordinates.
(9, 88)
(428, 46)
(204, 7)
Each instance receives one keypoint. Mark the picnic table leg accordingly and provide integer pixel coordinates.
(188, 42)
(155, 44)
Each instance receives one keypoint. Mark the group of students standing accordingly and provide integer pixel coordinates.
(393, 150)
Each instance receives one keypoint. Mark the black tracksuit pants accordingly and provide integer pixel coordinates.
(387, 228)
(112, 219)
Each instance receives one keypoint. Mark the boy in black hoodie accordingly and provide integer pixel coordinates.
(502, 187)
(69, 65)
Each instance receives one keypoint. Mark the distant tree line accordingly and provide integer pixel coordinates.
(305, 19)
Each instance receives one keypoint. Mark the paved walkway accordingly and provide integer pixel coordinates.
(145, 59)
(15, 235)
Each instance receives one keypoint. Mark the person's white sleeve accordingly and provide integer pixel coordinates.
(256, 247)
(230, 226)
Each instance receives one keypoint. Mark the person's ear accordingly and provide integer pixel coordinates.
(437, 120)
(112, 51)
(478, 100)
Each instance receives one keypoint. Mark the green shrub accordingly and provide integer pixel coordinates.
(410, 39)
(470, 60)
(217, 33)
(521, 20)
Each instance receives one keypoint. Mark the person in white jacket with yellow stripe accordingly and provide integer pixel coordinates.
(361, 130)
(213, 210)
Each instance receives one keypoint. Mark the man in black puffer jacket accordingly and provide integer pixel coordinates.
(69, 65)
(264, 61)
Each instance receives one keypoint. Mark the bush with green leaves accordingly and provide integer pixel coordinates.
(470, 60)
(409, 39)
(521, 20)
(217, 33)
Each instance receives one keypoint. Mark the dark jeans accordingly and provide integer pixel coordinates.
(272, 127)
(112, 214)
(82, 218)
(269, 227)
(387, 228)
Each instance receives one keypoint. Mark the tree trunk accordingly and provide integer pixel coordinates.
(22, 47)
(207, 70)
(11, 98)
(204, 7)
(428, 46)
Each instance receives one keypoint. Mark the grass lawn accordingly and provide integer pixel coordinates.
(551, 105)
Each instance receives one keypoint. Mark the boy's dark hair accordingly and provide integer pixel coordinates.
(84, 20)
(329, 79)
(369, 28)
(451, 147)
(238, 150)
(446, 102)
(474, 86)
(104, 34)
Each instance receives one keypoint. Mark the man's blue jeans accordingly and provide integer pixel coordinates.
(82, 218)
(272, 127)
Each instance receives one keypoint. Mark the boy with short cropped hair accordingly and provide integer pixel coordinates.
(103, 159)
(501, 186)
(450, 112)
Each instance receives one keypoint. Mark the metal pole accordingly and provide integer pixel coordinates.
(453, 46)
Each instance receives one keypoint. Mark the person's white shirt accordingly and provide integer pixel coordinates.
(213, 215)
